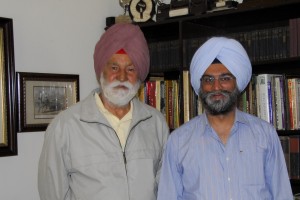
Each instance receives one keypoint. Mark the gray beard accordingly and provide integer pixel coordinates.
(219, 107)
(120, 98)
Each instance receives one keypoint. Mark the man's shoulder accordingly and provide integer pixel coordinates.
(261, 130)
(253, 120)
(74, 110)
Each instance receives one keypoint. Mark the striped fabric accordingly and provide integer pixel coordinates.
(198, 166)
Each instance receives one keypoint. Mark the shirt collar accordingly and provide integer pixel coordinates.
(102, 109)
(238, 118)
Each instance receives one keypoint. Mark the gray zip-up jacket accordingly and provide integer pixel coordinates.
(82, 158)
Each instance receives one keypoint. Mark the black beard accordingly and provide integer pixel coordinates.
(219, 107)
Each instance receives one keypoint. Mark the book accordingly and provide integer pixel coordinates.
(298, 36)
(155, 90)
(293, 37)
(163, 97)
(252, 96)
(242, 101)
(297, 125)
(200, 108)
(294, 157)
(279, 102)
(150, 88)
(169, 103)
(264, 100)
(141, 93)
(178, 12)
(186, 95)
(176, 112)
(157, 95)
(285, 144)
(257, 96)
(293, 101)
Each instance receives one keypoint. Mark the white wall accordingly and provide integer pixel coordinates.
(50, 36)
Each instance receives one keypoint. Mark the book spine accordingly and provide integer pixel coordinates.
(151, 99)
(285, 144)
(157, 95)
(169, 111)
(270, 100)
(283, 102)
(163, 98)
(297, 100)
(293, 37)
(263, 100)
(141, 93)
(278, 101)
(290, 104)
(298, 36)
(186, 96)
(176, 98)
(294, 157)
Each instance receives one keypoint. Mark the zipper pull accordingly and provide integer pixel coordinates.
(124, 157)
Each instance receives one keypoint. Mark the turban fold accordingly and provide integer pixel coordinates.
(124, 36)
(229, 52)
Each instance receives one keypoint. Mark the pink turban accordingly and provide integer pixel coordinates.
(123, 36)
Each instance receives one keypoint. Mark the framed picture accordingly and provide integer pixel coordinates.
(8, 133)
(42, 96)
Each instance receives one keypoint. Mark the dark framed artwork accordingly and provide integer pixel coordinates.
(8, 133)
(42, 96)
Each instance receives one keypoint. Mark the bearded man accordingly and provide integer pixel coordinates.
(108, 146)
(223, 153)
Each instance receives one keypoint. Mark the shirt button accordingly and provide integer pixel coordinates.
(228, 179)
(227, 158)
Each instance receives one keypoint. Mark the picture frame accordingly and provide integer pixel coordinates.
(41, 96)
(8, 133)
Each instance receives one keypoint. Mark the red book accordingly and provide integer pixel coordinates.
(151, 98)
(169, 96)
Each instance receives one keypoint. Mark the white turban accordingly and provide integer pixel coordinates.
(229, 52)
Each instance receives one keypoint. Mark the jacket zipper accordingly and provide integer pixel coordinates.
(124, 157)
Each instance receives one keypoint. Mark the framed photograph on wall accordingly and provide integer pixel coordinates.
(42, 96)
(8, 133)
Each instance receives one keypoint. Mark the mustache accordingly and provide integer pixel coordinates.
(120, 84)
(222, 92)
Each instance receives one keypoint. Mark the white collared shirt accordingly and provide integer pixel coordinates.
(121, 126)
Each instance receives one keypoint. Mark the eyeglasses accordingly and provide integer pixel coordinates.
(223, 79)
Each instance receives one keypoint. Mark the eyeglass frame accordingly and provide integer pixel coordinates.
(223, 79)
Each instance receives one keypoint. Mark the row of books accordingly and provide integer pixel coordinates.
(260, 44)
(291, 149)
(165, 55)
(265, 44)
(192, 106)
(164, 96)
(274, 98)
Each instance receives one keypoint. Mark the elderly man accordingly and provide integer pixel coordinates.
(108, 146)
(223, 153)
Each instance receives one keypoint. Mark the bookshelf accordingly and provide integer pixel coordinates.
(172, 43)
